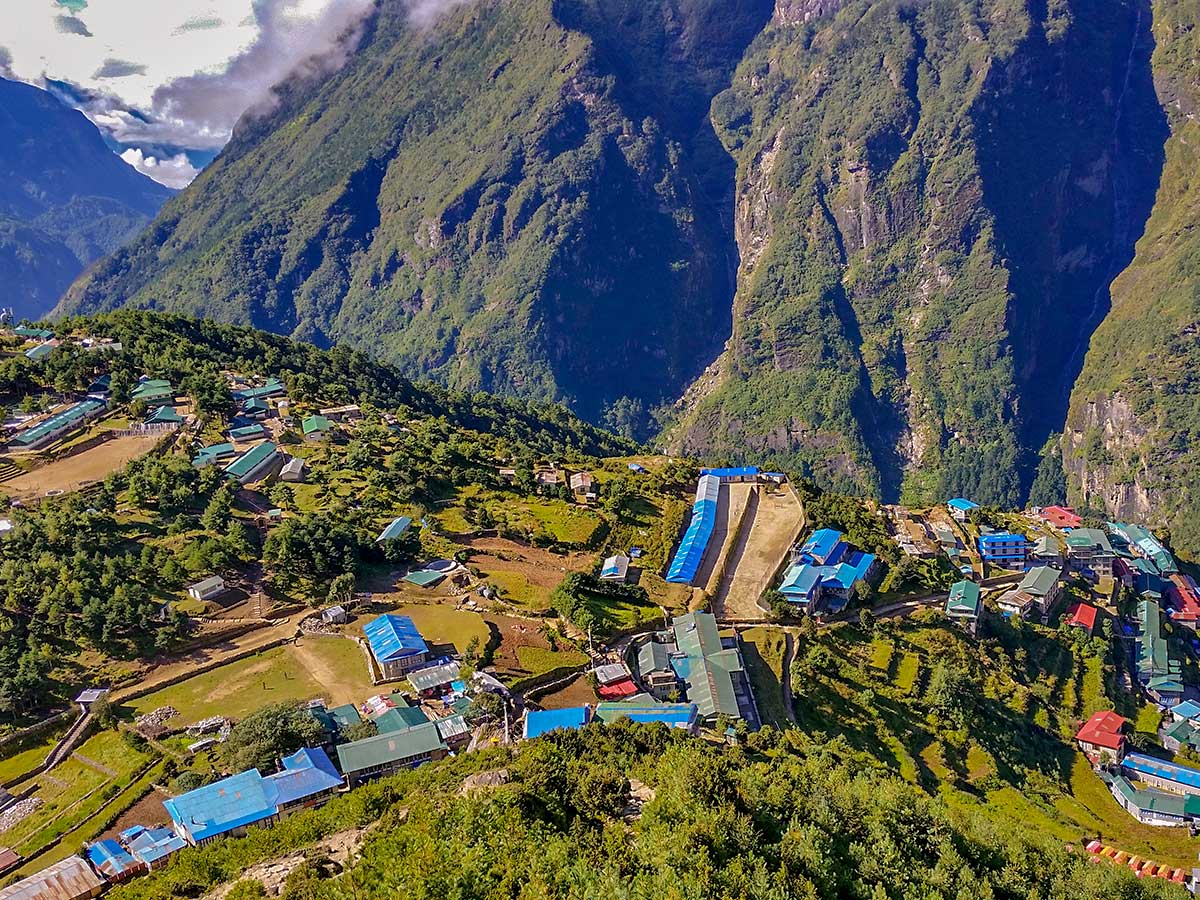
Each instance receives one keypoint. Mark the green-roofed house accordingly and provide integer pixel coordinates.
(316, 428)
(425, 578)
(963, 605)
(655, 671)
(1090, 552)
(254, 463)
(1159, 673)
(247, 432)
(41, 351)
(273, 388)
(58, 424)
(399, 718)
(1180, 734)
(1040, 590)
(209, 455)
(255, 408)
(164, 415)
(1151, 806)
(716, 679)
(153, 391)
(386, 754)
(34, 334)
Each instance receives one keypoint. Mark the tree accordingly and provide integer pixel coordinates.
(260, 739)
(341, 589)
(361, 730)
(485, 707)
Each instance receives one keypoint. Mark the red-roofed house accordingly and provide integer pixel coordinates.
(1083, 615)
(1061, 517)
(1102, 734)
(617, 690)
(1184, 598)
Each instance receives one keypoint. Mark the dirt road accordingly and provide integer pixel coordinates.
(772, 526)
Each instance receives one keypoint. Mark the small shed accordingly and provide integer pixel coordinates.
(88, 698)
(581, 482)
(335, 615)
(207, 589)
(615, 568)
(293, 470)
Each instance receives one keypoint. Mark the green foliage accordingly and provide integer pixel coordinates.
(266, 735)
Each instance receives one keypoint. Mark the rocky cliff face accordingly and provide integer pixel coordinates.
(1132, 443)
(931, 201)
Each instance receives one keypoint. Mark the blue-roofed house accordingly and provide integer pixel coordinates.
(542, 721)
(802, 586)
(615, 568)
(960, 508)
(824, 572)
(396, 644)
(1158, 773)
(113, 861)
(311, 758)
(228, 806)
(823, 547)
(309, 781)
(396, 528)
(1004, 549)
(732, 475)
(152, 846)
(673, 715)
(1188, 709)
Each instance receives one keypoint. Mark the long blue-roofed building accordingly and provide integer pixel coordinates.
(699, 532)
(1158, 773)
(396, 644)
(543, 721)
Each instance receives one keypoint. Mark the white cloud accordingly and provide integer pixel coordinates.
(423, 13)
(175, 171)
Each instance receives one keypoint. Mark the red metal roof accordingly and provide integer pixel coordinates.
(1083, 615)
(1103, 729)
(1061, 516)
(1185, 601)
(618, 689)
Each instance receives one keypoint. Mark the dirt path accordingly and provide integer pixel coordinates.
(761, 549)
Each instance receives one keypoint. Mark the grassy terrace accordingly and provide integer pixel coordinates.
(763, 651)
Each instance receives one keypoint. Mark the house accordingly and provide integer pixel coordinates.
(960, 508)
(655, 670)
(455, 731)
(1181, 734)
(1059, 517)
(690, 553)
(1158, 773)
(293, 470)
(113, 862)
(1141, 543)
(30, 333)
(963, 605)
(637, 468)
(1045, 552)
(388, 753)
(9, 859)
(825, 571)
(1082, 615)
(543, 721)
(395, 529)
(801, 586)
(335, 615)
(153, 391)
(433, 680)
(581, 483)
(250, 432)
(1153, 807)
(1160, 675)
(254, 464)
(1183, 595)
(1090, 553)
(212, 454)
(674, 715)
(351, 412)
(316, 428)
(507, 474)
(41, 351)
(1004, 549)
(615, 568)
(88, 698)
(614, 681)
(230, 806)
(425, 578)
(547, 477)
(272, 388)
(255, 408)
(164, 415)
(396, 644)
(1187, 710)
(1102, 736)
(210, 587)
(713, 674)
(152, 846)
(68, 879)
(57, 425)
(1040, 589)
(739, 474)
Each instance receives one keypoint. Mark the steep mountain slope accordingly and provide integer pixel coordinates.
(932, 199)
(1132, 444)
(65, 198)
(506, 203)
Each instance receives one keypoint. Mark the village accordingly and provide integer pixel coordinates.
(457, 636)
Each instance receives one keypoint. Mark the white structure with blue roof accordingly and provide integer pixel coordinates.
(824, 572)
(396, 644)
(1158, 773)
(699, 532)
(960, 508)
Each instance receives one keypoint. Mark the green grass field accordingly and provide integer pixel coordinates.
(446, 625)
(538, 660)
(26, 754)
(763, 651)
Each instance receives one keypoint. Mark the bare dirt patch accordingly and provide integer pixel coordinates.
(759, 552)
(147, 811)
(514, 633)
(79, 469)
(577, 693)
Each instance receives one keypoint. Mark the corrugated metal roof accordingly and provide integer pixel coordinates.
(676, 715)
(394, 637)
(433, 676)
(543, 721)
(65, 419)
(69, 879)
(389, 748)
(152, 844)
(224, 805)
(311, 758)
(1148, 765)
(112, 860)
(396, 528)
(256, 456)
(292, 785)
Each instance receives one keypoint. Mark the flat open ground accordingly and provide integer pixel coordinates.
(331, 668)
(525, 575)
(577, 693)
(74, 471)
(772, 526)
(731, 501)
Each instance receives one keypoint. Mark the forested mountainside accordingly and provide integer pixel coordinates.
(1132, 443)
(931, 201)
(508, 203)
(65, 198)
(899, 220)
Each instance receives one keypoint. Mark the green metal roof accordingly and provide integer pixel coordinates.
(710, 667)
(164, 415)
(388, 748)
(246, 431)
(424, 578)
(1152, 800)
(964, 599)
(154, 387)
(250, 460)
(1089, 537)
(652, 657)
(1040, 581)
(314, 424)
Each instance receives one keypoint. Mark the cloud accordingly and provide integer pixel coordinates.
(423, 13)
(200, 23)
(5, 63)
(71, 25)
(119, 68)
(174, 171)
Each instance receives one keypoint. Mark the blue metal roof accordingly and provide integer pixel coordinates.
(224, 805)
(699, 532)
(962, 504)
(394, 637)
(1188, 709)
(539, 722)
(152, 844)
(1148, 765)
(800, 581)
(822, 545)
(311, 758)
(1002, 537)
(110, 859)
(739, 472)
(396, 528)
(292, 785)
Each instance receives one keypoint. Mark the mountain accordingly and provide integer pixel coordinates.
(530, 200)
(65, 198)
(868, 241)
(1132, 442)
